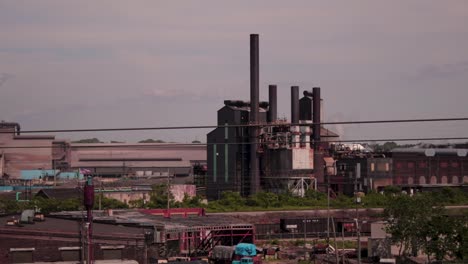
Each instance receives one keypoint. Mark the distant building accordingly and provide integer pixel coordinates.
(41, 156)
(141, 235)
(420, 167)
(23, 152)
(362, 174)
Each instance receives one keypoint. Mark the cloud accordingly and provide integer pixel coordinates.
(4, 77)
(442, 72)
(108, 61)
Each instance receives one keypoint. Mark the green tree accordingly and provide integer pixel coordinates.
(10, 206)
(420, 223)
(266, 199)
(50, 205)
(139, 203)
(407, 217)
(109, 203)
(190, 202)
(392, 190)
(444, 238)
(159, 195)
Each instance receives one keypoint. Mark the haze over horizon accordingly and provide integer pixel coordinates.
(105, 64)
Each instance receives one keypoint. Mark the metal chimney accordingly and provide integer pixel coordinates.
(294, 104)
(316, 114)
(273, 100)
(254, 102)
(295, 130)
(316, 127)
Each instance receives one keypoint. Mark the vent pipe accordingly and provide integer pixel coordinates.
(295, 130)
(254, 108)
(273, 100)
(316, 127)
(295, 104)
(316, 114)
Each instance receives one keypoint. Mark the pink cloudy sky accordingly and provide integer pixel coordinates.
(88, 64)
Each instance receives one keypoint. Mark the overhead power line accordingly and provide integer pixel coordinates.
(241, 125)
(150, 145)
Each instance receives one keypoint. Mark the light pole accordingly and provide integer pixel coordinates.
(358, 231)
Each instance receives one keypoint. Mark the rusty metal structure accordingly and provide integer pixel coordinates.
(270, 154)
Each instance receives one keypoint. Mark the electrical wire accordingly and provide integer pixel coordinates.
(239, 125)
(150, 145)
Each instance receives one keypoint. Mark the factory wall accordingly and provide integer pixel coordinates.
(430, 167)
(228, 152)
(374, 173)
(23, 152)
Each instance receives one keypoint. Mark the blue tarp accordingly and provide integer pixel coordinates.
(6, 188)
(70, 175)
(245, 249)
(37, 174)
(40, 174)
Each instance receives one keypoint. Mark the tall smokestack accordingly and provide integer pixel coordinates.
(318, 157)
(273, 100)
(294, 104)
(295, 130)
(254, 101)
(316, 113)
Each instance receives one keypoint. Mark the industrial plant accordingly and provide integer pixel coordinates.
(253, 150)
(250, 150)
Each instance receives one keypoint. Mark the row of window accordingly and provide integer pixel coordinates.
(423, 164)
(433, 180)
(380, 167)
(385, 167)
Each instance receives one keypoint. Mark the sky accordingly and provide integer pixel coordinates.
(107, 64)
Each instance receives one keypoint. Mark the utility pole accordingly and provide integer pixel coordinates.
(342, 237)
(328, 209)
(336, 245)
(357, 201)
(168, 192)
(88, 194)
(100, 194)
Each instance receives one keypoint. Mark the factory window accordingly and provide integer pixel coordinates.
(342, 167)
(410, 165)
(112, 252)
(21, 255)
(381, 167)
(443, 180)
(422, 164)
(387, 166)
(70, 253)
(455, 164)
(372, 166)
(399, 165)
(422, 180)
(443, 164)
